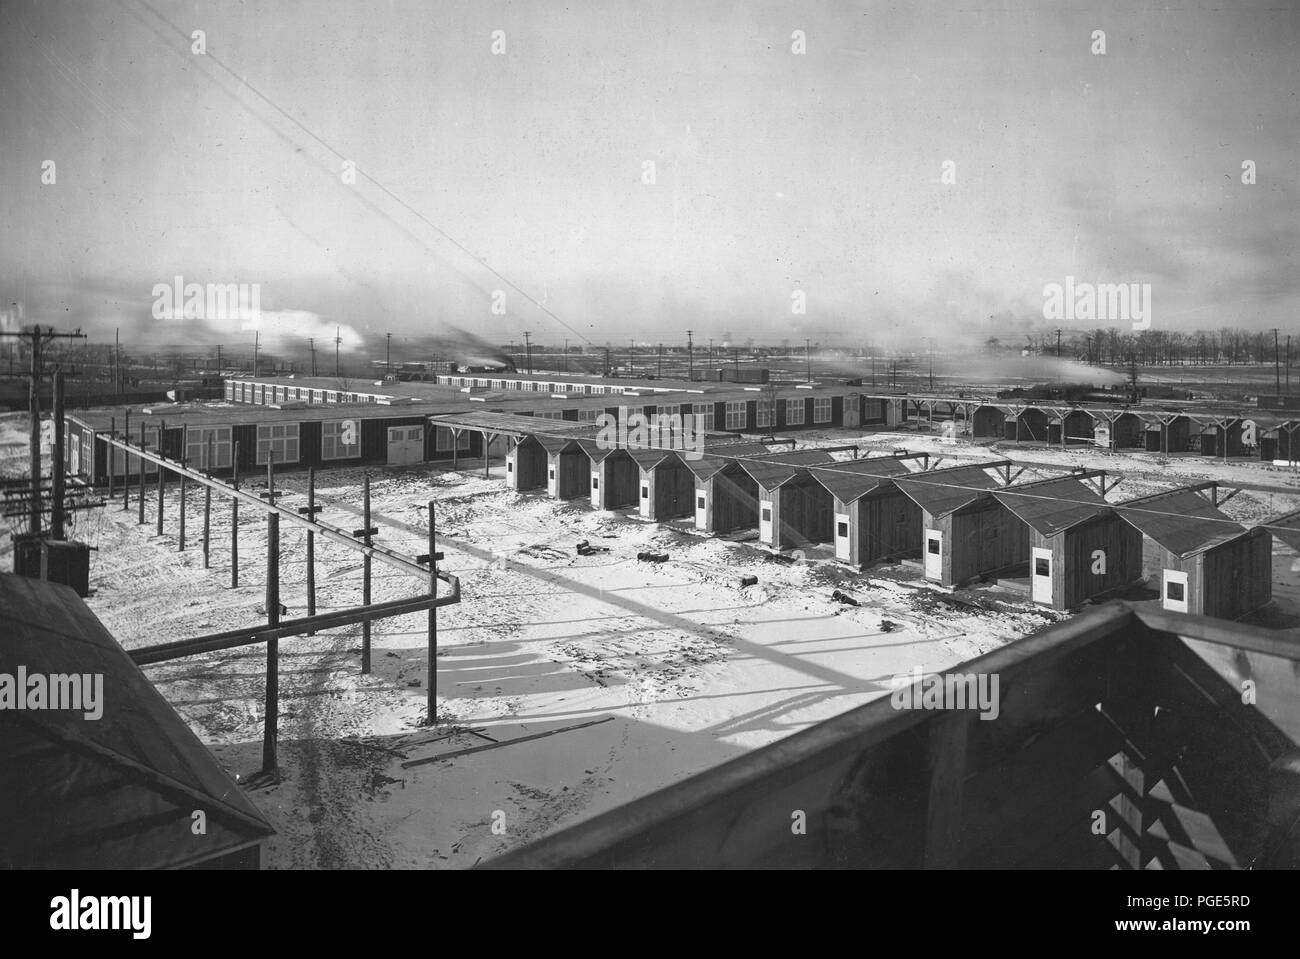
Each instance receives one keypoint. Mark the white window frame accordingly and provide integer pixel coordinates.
(280, 437)
(823, 409)
(796, 411)
(332, 435)
(737, 415)
(590, 415)
(702, 416)
(763, 413)
(133, 464)
(196, 446)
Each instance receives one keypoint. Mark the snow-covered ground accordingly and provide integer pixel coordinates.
(693, 668)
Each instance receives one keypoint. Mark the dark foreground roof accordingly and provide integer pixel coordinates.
(77, 793)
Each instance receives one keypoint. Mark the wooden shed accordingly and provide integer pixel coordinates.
(1079, 548)
(1203, 561)
(1167, 433)
(666, 484)
(113, 791)
(615, 476)
(726, 497)
(526, 464)
(1077, 425)
(1030, 425)
(568, 468)
(1122, 431)
(874, 519)
(968, 533)
(989, 422)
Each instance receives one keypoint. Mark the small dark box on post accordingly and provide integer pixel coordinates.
(66, 562)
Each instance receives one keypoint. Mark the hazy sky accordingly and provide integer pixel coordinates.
(775, 171)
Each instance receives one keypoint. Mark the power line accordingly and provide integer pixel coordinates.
(244, 83)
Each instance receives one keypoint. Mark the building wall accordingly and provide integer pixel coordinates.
(526, 465)
(1073, 559)
(671, 489)
(1237, 577)
(980, 539)
(619, 481)
(989, 421)
(889, 525)
(806, 513)
(733, 496)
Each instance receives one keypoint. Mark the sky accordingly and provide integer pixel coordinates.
(779, 176)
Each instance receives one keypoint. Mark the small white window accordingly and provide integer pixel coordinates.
(794, 412)
(822, 409)
(764, 413)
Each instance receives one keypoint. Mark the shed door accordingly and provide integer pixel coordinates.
(596, 492)
(933, 554)
(1173, 591)
(701, 509)
(405, 445)
(842, 537)
(1040, 575)
(765, 522)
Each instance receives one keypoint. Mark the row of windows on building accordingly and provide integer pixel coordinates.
(213, 447)
(736, 414)
(263, 394)
(527, 386)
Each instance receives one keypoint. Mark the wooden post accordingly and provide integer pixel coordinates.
(487, 453)
(58, 467)
(432, 669)
(161, 473)
(34, 434)
(140, 520)
(365, 583)
(112, 432)
(234, 522)
(272, 721)
(185, 434)
(455, 437)
(311, 543)
(126, 465)
(207, 508)
(270, 476)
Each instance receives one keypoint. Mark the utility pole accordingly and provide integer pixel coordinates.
(311, 343)
(257, 336)
(117, 361)
(690, 357)
(337, 340)
(807, 352)
(631, 367)
(566, 354)
(219, 358)
(528, 350)
(35, 374)
(607, 367)
(1277, 369)
(659, 369)
(388, 353)
(1288, 363)
(1058, 344)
